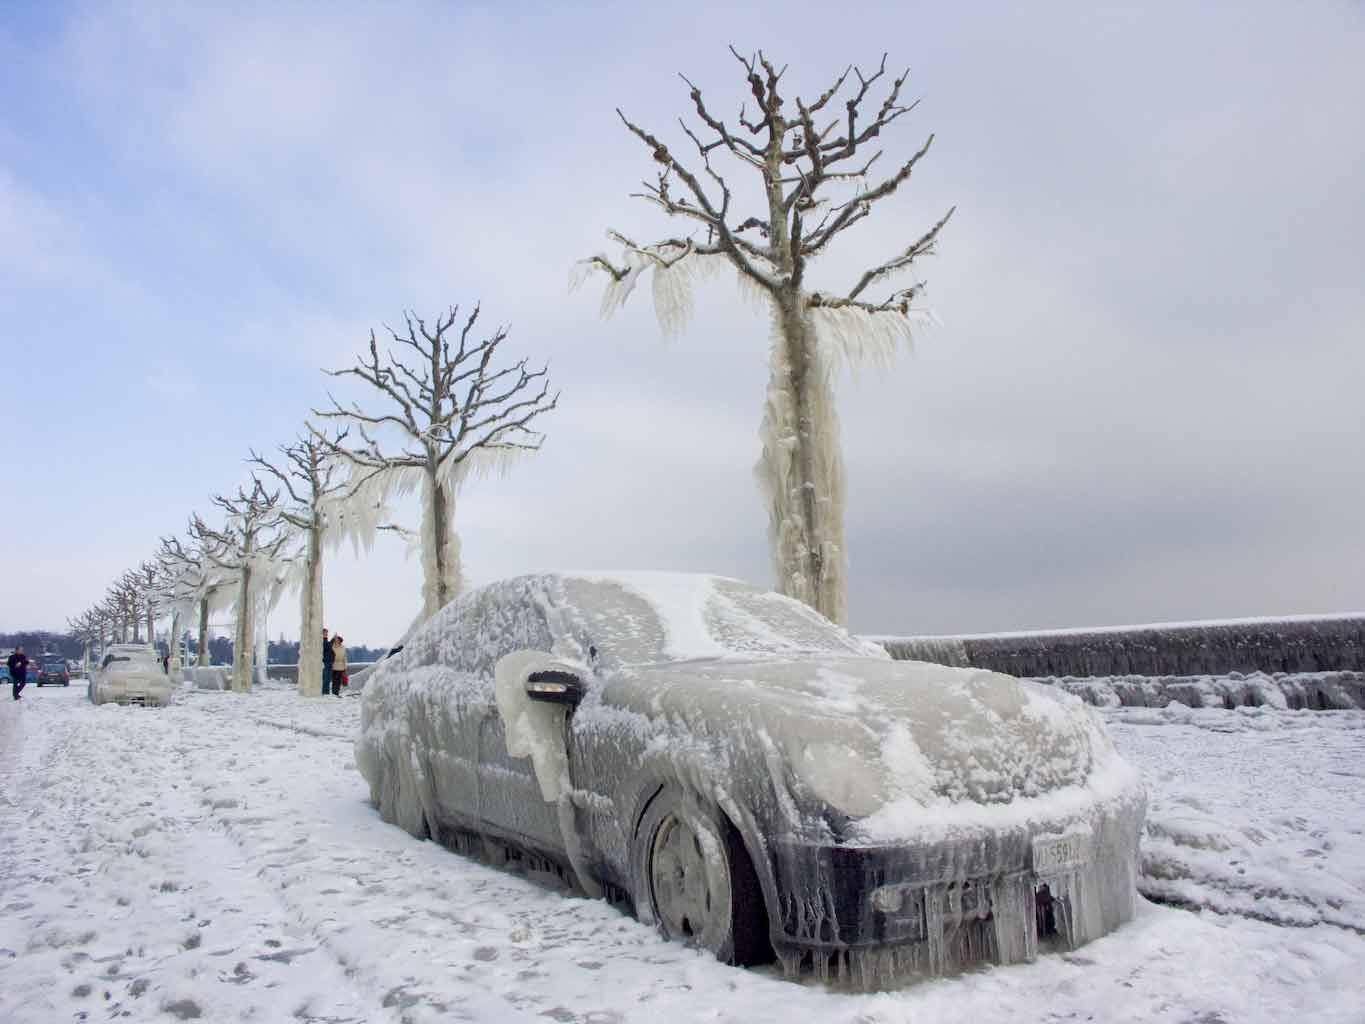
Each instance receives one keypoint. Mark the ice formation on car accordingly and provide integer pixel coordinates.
(995, 812)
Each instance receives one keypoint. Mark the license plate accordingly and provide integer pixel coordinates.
(1059, 853)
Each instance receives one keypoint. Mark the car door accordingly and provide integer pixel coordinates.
(500, 620)
(509, 793)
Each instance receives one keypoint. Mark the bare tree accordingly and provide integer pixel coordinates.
(454, 413)
(250, 540)
(91, 627)
(212, 581)
(146, 579)
(815, 171)
(125, 602)
(183, 576)
(310, 474)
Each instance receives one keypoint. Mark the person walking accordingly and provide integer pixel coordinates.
(17, 663)
(338, 663)
(327, 654)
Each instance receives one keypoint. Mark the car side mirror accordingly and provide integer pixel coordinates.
(555, 686)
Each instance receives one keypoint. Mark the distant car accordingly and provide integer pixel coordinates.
(130, 674)
(754, 779)
(53, 672)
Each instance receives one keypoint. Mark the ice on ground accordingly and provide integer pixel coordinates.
(245, 877)
(1256, 811)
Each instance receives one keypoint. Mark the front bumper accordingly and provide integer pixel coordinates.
(133, 691)
(984, 896)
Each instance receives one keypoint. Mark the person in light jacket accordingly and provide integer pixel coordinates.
(338, 663)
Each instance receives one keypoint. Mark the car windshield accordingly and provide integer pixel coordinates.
(646, 618)
(54, 666)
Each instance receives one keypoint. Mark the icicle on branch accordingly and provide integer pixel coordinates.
(448, 408)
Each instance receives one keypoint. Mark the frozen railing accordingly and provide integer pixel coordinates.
(290, 673)
(1297, 644)
(1314, 691)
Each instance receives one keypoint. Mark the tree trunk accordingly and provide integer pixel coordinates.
(310, 608)
(203, 657)
(242, 635)
(801, 469)
(262, 632)
(151, 633)
(440, 549)
(174, 643)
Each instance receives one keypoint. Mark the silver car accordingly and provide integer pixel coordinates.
(753, 779)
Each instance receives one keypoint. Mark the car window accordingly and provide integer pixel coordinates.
(621, 625)
(744, 619)
(720, 617)
(473, 632)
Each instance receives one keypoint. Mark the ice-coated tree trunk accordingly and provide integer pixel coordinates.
(310, 617)
(262, 633)
(801, 469)
(242, 635)
(202, 658)
(174, 643)
(151, 633)
(441, 575)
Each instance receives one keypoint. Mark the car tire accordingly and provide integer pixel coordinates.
(714, 902)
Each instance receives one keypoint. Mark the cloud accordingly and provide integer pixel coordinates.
(1142, 402)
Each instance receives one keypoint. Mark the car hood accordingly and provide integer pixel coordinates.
(861, 734)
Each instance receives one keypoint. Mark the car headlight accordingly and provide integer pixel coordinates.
(842, 777)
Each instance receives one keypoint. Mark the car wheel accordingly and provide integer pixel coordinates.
(695, 882)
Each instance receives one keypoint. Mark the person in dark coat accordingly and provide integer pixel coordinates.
(17, 663)
(328, 655)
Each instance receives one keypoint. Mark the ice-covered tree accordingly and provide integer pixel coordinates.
(181, 582)
(145, 578)
(125, 602)
(454, 412)
(311, 474)
(212, 582)
(91, 627)
(249, 542)
(809, 168)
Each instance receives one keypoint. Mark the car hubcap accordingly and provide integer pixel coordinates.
(682, 888)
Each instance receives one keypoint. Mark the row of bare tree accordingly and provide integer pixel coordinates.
(444, 407)
(446, 410)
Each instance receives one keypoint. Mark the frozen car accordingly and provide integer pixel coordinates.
(753, 779)
(130, 674)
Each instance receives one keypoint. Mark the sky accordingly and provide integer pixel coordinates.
(1142, 401)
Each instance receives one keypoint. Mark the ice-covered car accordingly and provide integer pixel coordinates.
(752, 778)
(130, 674)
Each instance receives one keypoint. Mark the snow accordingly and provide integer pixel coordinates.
(258, 884)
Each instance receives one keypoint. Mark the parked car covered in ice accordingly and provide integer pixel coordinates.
(752, 778)
(130, 674)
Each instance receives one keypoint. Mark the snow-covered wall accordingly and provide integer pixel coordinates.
(1314, 691)
(1296, 644)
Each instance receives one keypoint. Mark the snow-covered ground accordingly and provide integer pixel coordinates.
(218, 860)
